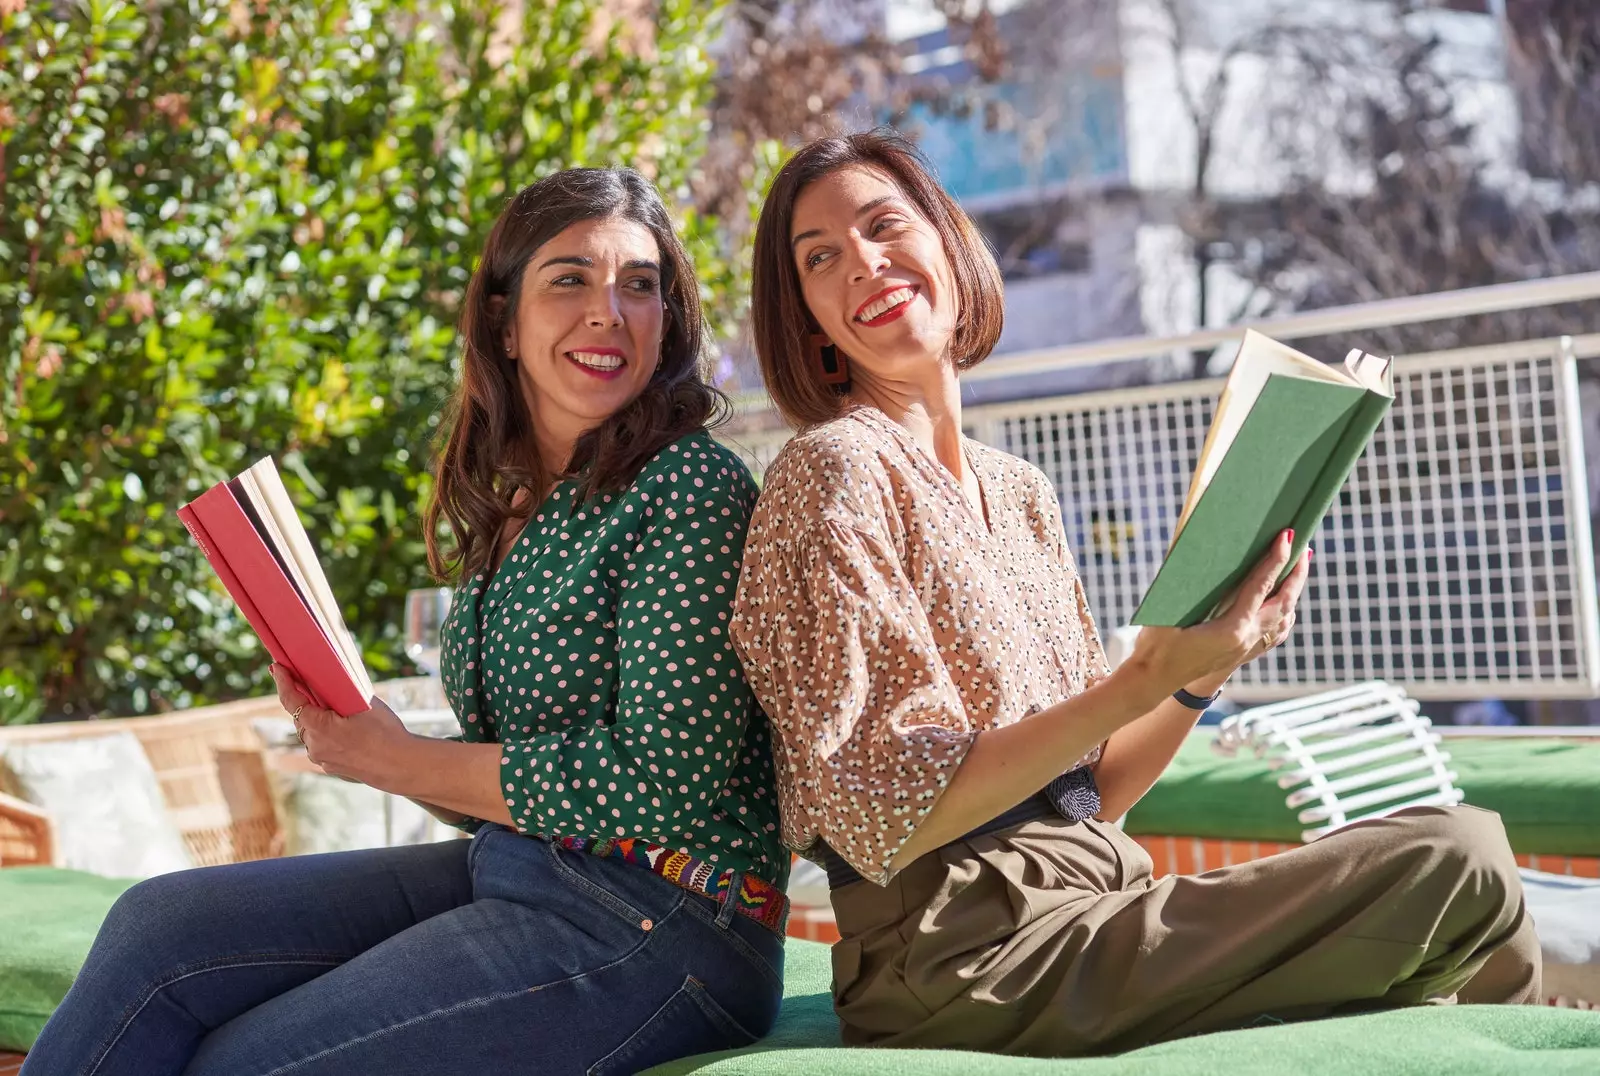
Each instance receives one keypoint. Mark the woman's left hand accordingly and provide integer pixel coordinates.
(1276, 617)
(368, 747)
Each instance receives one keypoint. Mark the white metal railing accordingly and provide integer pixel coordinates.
(1457, 562)
(1380, 314)
(1520, 732)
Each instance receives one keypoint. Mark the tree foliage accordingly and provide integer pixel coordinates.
(236, 229)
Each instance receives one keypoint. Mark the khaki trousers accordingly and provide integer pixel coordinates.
(1051, 939)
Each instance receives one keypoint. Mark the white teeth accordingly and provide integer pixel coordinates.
(596, 362)
(895, 298)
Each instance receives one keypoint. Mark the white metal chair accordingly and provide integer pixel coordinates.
(1350, 754)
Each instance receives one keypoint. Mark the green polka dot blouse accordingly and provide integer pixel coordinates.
(598, 655)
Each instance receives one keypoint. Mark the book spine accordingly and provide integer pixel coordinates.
(312, 657)
(230, 583)
(1320, 497)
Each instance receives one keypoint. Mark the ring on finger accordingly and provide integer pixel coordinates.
(294, 715)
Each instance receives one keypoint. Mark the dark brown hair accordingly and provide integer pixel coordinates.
(488, 452)
(779, 316)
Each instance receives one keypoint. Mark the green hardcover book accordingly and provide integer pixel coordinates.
(1287, 431)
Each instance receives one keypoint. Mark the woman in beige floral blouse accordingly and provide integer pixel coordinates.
(950, 743)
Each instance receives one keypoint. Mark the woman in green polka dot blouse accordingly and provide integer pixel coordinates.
(620, 903)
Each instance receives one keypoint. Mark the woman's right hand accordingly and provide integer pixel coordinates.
(1255, 621)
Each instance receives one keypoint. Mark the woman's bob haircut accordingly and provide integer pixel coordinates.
(780, 320)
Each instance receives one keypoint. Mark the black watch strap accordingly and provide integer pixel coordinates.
(1193, 701)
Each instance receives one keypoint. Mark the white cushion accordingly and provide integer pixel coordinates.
(104, 802)
(1566, 916)
(318, 813)
(808, 885)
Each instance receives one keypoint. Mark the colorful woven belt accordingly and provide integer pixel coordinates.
(758, 899)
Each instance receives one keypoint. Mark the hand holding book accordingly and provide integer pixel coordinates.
(1256, 618)
(369, 747)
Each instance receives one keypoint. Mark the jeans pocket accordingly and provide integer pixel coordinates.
(691, 1022)
(757, 945)
(475, 850)
(594, 890)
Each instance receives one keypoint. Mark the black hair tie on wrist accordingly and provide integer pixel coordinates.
(1195, 702)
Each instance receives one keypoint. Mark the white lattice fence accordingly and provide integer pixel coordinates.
(1456, 563)
(758, 448)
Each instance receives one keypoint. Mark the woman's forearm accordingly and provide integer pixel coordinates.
(443, 814)
(1137, 754)
(1140, 752)
(452, 777)
(1005, 766)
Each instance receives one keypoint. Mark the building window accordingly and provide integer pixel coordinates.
(1036, 240)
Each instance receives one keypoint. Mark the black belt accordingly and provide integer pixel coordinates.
(1073, 796)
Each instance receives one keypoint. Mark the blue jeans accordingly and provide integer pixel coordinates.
(504, 954)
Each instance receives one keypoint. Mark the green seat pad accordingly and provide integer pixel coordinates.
(1547, 792)
(1464, 1040)
(48, 920)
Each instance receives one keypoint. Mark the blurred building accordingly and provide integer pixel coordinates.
(1090, 148)
(1081, 160)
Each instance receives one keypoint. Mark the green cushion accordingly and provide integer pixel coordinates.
(48, 920)
(1462, 1040)
(1548, 794)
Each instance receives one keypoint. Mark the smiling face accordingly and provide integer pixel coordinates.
(874, 274)
(587, 330)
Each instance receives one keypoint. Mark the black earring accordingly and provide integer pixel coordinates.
(832, 366)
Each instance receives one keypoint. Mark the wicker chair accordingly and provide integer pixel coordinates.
(211, 769)
(26, 836)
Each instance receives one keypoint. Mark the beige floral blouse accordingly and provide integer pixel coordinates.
(883, 624)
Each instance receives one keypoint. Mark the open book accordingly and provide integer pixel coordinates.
(249, 531)
(1286, 434)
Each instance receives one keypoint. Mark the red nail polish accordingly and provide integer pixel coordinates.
(1291, 536)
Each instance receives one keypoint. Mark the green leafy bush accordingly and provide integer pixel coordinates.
(237, 229)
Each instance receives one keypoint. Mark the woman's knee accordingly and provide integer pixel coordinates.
(166, 908)
(1469, 843)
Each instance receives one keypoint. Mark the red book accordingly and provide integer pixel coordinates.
(248, 530)
(235, 589)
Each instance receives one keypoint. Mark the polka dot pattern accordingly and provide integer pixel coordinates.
(598, 655)
(883, 624)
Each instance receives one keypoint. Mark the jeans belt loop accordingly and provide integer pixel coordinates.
(730, 900)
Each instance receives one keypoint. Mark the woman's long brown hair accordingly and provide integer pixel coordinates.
(488, 452)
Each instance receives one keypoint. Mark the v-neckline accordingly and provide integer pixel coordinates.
(982, 514)
(495, 588)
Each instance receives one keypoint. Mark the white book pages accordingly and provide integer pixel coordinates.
(1371, 372)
